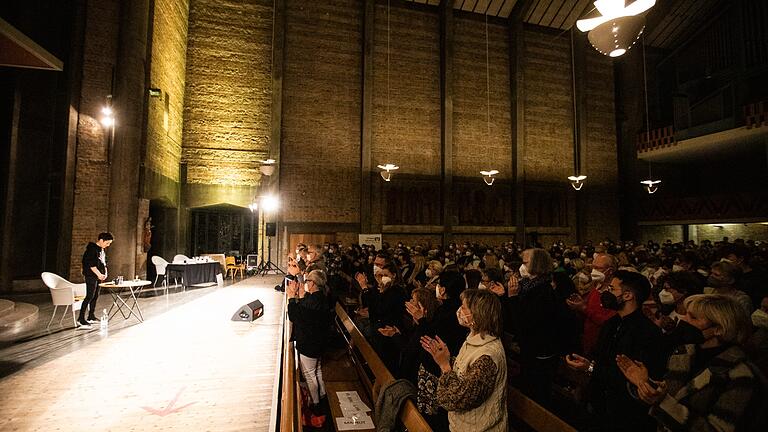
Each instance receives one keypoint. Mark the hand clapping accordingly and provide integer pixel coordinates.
(439, 351)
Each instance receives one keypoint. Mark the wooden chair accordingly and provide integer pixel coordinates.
(234, 268)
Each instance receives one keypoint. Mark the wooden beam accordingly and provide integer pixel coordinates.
(446, 114)
(366, 128)
(6, 252)
(579, 46)
(275, 141)
(517, 112)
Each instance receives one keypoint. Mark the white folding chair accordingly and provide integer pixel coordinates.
(64, 293)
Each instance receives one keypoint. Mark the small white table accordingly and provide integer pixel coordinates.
(119, 300)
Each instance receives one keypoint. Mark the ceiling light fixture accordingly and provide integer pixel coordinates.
(577, 181)
(488, 176)
(618, 28)
(651, 185)
(386, 171)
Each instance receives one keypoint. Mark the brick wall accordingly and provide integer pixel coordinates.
(599, 152)
(407, 132)
(168, 64)
(548, 143)
(474, 149)
(321, 112)
(227, 106)
(92, 178)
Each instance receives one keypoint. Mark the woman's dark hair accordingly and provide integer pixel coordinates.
(494, 275)
(473, 277)
(453, 283)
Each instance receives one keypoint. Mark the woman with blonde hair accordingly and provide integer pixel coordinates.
(434, 268)
(473, 388)
(417, 277)
(710, 383)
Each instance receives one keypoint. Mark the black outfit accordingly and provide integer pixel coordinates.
(536, 321)
(754, 283)
(311, 321)
(639, 339)
(386, 309)
(91, 258)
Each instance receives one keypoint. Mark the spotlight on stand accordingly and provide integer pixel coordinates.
(650, 185)
(267, 167)
(253, 206)
(386, 171)
(577, 181)
(108, 115)
(488, 176)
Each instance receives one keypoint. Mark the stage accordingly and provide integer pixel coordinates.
(186, 368)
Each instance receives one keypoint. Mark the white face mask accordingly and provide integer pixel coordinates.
(437, 292)
(481, 286)
(760, 318)
(659, 273)
(306, 287)
(677, 268)
(567, 260)
(376, 269)
(463, 321)
(524, 271)
(428, 272)
(666, 297)
(597, 275)
(386, 280)
(583, 255)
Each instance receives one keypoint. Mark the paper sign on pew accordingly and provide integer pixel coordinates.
(354, 411)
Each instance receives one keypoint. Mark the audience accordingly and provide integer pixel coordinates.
(622, 310)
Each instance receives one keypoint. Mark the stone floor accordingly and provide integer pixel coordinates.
(186, 367)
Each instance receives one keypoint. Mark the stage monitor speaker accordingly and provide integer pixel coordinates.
(252, 261)
(250, 312)
(271, 229)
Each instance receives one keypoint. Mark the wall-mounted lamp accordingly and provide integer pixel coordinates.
(488, 176)
(253, 206)
(155, 92)
(386, 171)
(108, 114)
(267, 167)
(577, 181)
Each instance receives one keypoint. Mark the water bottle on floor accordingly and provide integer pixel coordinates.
(104, 323)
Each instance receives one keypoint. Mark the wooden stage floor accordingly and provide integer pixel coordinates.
(185, 368)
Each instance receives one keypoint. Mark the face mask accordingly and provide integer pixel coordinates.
(583, 255)
(524, 271)
(437, 291)
(715, 282)
(468, 253)
(463, 321)
(481, 286)
(659, 273)
(610, 301)
(677, 268)
(567, 260)
(306, 287)
(385, 280)
(702, 272)
(376, 269)
(597, 275)
(428, 272)
(760, 318)
(666, 297)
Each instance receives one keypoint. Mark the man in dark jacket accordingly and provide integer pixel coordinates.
(630, 333)
(94, 271)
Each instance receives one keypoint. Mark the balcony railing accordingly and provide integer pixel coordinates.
(656, 139)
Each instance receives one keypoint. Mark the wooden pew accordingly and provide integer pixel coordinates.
(372, 372)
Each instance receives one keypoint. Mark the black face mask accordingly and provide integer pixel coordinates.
(610, 301)
(686, 333)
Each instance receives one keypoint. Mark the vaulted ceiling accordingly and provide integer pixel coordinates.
(668, 22)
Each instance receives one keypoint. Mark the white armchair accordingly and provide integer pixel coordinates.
(64, 293)
(160, 268)
(180, 258)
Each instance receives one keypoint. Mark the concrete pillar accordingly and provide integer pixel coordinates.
(129, 101)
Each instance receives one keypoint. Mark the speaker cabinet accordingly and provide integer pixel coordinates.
(249, 312)
(271, 229)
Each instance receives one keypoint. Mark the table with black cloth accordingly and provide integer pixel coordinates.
(195, 273)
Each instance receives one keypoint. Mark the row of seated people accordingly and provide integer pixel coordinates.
(661, 334)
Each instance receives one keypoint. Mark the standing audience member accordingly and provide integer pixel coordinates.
(473, 387)
(309, 313)
(386, 310)
(94, 271)
(752, 281)
(595, 315)
(536, 324)
(710, 383)
(629, 333)
(722, 280)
